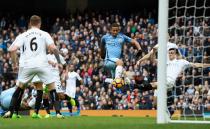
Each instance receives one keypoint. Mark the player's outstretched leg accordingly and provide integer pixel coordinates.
(119, 69)
(69, 107)
(70, 103)
(108, 80)
(55, 100)
(119, 72)
(47, 107)
(78, 106)
(14, 102)
(39, 88)
(38, 104)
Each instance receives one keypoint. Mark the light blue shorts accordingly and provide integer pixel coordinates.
(5, 102)
(6, 97)
(110, 65)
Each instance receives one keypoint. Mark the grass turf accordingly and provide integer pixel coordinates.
(85, 122)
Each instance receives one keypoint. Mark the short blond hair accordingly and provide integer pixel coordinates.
(35, 20)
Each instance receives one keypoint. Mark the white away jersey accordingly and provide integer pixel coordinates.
(71, 83)
(174, 68)
(51, 57)
(33, 44)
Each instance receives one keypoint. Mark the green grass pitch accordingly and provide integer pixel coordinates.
(86, 122)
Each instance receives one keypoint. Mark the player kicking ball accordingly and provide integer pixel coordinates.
(111, 51)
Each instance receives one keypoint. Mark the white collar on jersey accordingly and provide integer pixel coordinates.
(170, 61)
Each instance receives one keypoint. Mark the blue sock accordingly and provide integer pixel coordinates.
(1, 112)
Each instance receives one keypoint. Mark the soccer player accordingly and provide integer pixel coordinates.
(175, 66)
(37, 83)
(152, 56)
(54, 66)
(111, 50)
(34, 43)
(71, 78)
(5, 99)
(152, 53)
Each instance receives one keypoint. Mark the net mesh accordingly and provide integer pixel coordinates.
(189, 28)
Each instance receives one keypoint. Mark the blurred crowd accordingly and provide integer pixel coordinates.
(78, 38)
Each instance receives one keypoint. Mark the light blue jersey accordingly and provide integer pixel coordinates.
(6, 97)
(113, 46)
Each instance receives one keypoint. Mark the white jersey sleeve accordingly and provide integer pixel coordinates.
(78, 77)
(51, 57)
(18, 41)
(62, 60)
(48, 39)
(184, 63)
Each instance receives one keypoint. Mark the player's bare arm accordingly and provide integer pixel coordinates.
(134, 42)
(199, 65)
(146, 57)
(52, 63)
(81, 82)
(55, 51)
(13, 51)
(102, 52)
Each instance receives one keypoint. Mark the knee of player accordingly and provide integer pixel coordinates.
(61, 96)
(51, 86)
(38, 85)
(45, 96)
(119, 62)
(21, 85)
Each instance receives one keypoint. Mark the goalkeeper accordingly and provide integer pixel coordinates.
(174, 67)
(146, 85)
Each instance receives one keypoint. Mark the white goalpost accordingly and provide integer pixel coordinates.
(186, 23)
(161, 75)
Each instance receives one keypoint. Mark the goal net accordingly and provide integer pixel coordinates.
(189, 28)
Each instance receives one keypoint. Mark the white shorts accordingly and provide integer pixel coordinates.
(71, 91)
(56, 78)
(59, 89)
(32, 102)
(58, 86)
(25, 75)
(35, 79)
(71, 94)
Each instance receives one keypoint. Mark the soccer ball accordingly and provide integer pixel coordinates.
(118, 82)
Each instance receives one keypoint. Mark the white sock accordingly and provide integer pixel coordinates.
(108, 80)
(118, 71)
